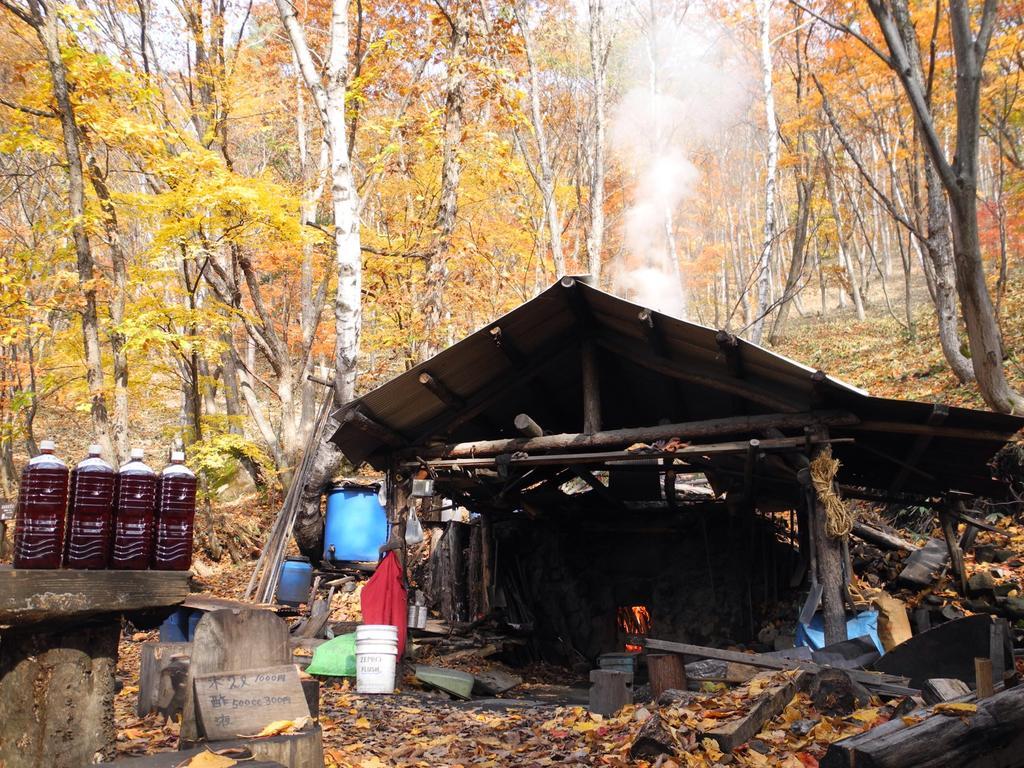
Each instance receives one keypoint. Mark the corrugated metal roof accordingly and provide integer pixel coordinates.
(663, 369)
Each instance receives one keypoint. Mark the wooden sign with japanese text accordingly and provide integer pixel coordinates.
(243, 703)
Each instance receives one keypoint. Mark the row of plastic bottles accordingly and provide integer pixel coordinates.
(127, 520)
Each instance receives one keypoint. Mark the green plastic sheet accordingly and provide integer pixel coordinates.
(335, 658)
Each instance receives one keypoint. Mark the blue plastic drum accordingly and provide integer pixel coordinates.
(296, 578)
(356, 526)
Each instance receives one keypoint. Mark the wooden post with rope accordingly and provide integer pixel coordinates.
(832, 521)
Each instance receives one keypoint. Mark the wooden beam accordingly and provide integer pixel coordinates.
(875, 680)
(935, 418)
(382, 432)
(497, 389)
(577, 303)
(438, 389)
(734, 425)
(694, 373)
(507, 347)
(527, 427)
(591, 389)
(907, 428)
(28, 595)
(956, 555)
(688, 455)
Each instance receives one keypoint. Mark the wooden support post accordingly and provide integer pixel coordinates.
(527, 427)
(486, 561)
(667, 671)
(57, 694)
(956, 555)
(983, 677)
(591, 390)
(829, 557)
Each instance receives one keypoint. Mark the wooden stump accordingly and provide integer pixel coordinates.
(232, 640)
(666, 671)
(57, 695)
(610, 691)
(154, 658)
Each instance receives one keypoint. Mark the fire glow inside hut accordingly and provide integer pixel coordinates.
(630, 473)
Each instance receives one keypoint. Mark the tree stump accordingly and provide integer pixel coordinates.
(57, 695)
(666, 671)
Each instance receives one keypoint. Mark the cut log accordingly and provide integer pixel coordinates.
(881, 537)
(983, 677)
(939, 689)
(610, 691)
(653, 739)
(666, 671)
(527, 427)
(835, 693)
(768, 704)
(991, 737)
(57, 695)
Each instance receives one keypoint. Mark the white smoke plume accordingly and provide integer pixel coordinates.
(684, 85)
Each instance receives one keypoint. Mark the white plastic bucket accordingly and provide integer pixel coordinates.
(376, 657)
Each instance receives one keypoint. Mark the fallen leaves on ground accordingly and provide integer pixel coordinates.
(211, 760)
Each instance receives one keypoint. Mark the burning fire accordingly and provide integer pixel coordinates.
(635, 621)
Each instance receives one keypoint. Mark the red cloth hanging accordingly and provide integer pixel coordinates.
(384, 599)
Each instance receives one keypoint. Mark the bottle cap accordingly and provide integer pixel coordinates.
(177, 455)
(136, 454)
(47, 445)
(95, 449)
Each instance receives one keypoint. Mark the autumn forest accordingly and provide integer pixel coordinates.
(213, 213)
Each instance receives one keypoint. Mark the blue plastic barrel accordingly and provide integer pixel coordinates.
(356, 526)
(296, 578)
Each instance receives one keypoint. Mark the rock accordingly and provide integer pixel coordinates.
(984, 604)
(1014, 608)
(653, 739)
(991, 554)
(673, 697)
(1007, 590)
(981, 584)
(759, 746)
(835, 693)
(238, 486)
(641, 715)
(802, 727)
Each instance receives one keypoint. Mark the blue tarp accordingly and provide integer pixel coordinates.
(864, 624)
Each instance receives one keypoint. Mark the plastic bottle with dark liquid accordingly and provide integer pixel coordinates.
(134, 515)
(42, 505)
(175, 516)
(90, 513)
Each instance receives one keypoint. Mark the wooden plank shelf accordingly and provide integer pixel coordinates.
(29, 596)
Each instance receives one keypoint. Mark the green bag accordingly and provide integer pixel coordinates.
(336, 658)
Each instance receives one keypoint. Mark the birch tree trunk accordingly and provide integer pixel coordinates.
(598, 47)
(329, 97)
(764, 272)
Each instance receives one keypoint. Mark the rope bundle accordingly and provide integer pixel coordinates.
(839, 517)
